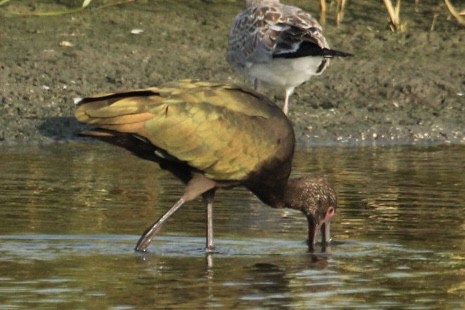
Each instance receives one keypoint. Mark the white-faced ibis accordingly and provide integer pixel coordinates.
(278, 45)
(211, 136)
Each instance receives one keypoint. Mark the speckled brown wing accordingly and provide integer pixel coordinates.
(297, 27)
(263, 30)
(222, 130)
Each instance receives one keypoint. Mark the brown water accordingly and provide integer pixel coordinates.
(71, 215)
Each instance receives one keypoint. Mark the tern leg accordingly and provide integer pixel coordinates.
(289, 92)
(256, 84)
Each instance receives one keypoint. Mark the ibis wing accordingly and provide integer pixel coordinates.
(222, 130)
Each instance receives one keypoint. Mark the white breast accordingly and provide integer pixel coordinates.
(285, 72)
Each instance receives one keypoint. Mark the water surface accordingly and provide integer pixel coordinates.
(71, 215)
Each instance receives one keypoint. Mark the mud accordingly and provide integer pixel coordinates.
(398, 88)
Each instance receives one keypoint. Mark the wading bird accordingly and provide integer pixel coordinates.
(211, 136)
(278, 45)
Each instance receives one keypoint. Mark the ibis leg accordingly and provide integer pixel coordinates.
(208, 197)
(150, 232)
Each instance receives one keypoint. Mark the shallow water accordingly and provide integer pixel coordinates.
(71, 215)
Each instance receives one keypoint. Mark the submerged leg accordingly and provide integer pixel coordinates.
(150, 232)
(208, 197)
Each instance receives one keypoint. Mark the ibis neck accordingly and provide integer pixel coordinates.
(291, 195)
(280, 195)
(271, 195)
(269, 184)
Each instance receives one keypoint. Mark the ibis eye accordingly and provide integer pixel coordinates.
(331, 211)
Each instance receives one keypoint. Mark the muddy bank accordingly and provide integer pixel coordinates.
(398, 89)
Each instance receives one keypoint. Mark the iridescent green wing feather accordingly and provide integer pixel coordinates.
(222, 130)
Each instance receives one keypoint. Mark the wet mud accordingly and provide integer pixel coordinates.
(399, 88)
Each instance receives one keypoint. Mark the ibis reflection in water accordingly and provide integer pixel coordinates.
(211, 136)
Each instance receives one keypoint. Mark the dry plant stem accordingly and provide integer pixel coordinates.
(433, 22)
(341, 4)
(323, 11)
(390, 10)
(454, 13)
(394, 15)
